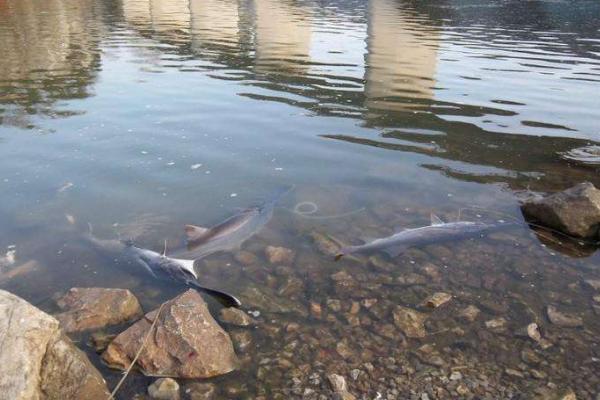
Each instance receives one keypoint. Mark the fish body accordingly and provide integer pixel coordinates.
(159, 266)
(231, 233)
(437, 232)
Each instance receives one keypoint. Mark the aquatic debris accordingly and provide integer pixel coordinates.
(9, 257)
(195, 166)
(438, 231)
(65, 187)
(586, 155)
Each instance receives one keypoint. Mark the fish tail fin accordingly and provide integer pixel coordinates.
(226, 299)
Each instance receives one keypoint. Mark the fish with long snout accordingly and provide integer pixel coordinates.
(158, 265)
(438, 231)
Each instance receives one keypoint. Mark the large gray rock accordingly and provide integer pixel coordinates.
(575, 211)
(185, 343)
(94, 308)
(37, 361)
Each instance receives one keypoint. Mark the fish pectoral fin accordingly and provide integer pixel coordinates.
(394, 251)
(187, 265)
(146, 266)
(435, 220)
(194, 232)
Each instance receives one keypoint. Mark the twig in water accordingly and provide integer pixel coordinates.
(116, 389)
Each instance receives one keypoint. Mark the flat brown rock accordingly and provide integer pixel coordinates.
(186, 342)
(95, 308)
(410, 322)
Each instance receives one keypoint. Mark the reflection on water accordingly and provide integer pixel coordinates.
(49, 52)
(401, 59)
(162, 113)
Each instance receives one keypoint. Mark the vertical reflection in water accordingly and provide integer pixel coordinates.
(283, 35)
(137, 12)
(401, 58)
(48, 52)
(171, 18)
(215, 23)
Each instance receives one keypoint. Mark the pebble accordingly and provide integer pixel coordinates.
(469, 314)
(164, 389)
(279, 255)
(562, 318)
(437, 299)
(235, 316)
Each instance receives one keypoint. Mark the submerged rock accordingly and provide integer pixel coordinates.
(469, 313)
(164, 389)
(37, 361)
(235, 316)
(279, 255)
(201, 391)
(265, 300)
(563, 319)
(94, 308)
(410, 322)
(339, 387)
(437, 299)
(575, 211)
(186, 342)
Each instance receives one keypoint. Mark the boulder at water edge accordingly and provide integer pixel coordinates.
(186, 342)
(94, 308)
(575, 211)
(37, 361)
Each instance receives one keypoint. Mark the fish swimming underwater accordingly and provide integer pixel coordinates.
(438, 231)
(159, 266)
(232, 233)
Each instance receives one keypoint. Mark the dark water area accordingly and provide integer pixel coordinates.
(141, 116)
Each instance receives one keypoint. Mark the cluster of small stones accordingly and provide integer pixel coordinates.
(489, 319)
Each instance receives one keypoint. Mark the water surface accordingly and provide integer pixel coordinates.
(140, 116)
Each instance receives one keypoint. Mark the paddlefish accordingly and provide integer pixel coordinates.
(159, 266)
(438, 231)
(230, 234)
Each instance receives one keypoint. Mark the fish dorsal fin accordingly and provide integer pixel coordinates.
(195, 232)
(435, 220)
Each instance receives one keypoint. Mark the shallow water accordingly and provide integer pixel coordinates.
(140, 116)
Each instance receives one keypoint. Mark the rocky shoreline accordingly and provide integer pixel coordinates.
(487, 319)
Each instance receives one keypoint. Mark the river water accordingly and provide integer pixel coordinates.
(141, 116)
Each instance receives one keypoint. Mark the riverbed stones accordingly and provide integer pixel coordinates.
(436, 300)
(266, 300)
(235, 316)
(575, 211)
(279, 255)
(496, 324)
(469, 313)
(410, 322)
(339, 387)
(164, 389)
(563, 319)
(37, 361)
(186, 342)
(593, 284)
(95, 308)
